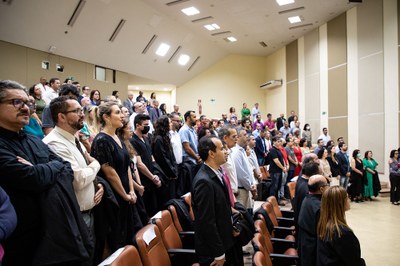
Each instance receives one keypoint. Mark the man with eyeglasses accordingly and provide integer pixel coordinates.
(68, 117)
(39, 184)
(308, 219)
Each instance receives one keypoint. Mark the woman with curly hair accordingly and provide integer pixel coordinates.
(164, 156)
(95, 97)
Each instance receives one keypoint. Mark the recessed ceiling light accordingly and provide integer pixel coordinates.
(284, 2)
(212, 27)
(190, 11)
(231, 39)
(295, 19)
(183, 59)
(162, 49)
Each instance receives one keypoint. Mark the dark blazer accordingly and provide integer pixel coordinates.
(279, 122)
(212, 211)
(307, 236)
(343, 163)
(259, 149)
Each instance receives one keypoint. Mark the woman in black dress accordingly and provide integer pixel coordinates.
(356, 177)
(334, 164)
(164, 157)
(113, 157)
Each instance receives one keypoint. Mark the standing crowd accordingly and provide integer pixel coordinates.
(81, 175)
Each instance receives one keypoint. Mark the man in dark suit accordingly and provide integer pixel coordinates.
(279, 121)
(261, 148)
(214, 234)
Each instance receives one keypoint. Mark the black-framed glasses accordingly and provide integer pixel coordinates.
(77, 111)
(18, 103)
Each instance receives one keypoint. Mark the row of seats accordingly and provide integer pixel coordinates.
(159, 243)
(274, 239)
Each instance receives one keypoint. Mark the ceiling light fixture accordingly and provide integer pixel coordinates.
(183, 59)
(212, 27)
(190, 11)
(162, 49)
(231, 39)
(295, 19)
(284, 2)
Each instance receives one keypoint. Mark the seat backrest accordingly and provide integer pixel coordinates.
(151, 247)
(188, 199)
(259, 259)
(128, 257)
(259, 244)
(169, 234)
(271, 214)
(274, 202)
(292, 189)
(262, 229)
(175, 218)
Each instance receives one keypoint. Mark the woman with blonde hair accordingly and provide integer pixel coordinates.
(337, 243)
(113, 156)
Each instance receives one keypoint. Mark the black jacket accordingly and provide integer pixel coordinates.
(212, 209)
(307, 236)
(66, 237)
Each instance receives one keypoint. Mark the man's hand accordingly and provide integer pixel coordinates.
(23, 161)
(218, 262)
(99, 194)
(157, 181)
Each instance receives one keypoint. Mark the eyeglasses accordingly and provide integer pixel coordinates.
(176, 120)
(76, 111)
(18, 103)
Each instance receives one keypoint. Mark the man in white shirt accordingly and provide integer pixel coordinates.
(139, 108)
(175, 138)
(254, 112)
(52, 93)
(42, 85)
(243, 171)
(68, 117)
(325, 137)
(229, 137)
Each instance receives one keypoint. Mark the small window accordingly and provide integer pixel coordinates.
(45, 65)
(60, 68)
(104, 74)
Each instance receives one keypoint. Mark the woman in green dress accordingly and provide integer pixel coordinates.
(369, 165)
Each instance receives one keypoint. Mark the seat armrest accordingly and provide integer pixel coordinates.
(181, 256)
(285, 222)
(282, 232)
(280, 259)
(287, 214)
(281, 245)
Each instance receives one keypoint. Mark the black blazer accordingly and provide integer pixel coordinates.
(212, 211)
(343, 163)
(259, 149)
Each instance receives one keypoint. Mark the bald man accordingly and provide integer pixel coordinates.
(308, 220)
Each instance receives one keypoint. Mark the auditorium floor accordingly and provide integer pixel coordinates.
(377, 226)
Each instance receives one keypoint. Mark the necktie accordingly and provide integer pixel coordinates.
(78, 145)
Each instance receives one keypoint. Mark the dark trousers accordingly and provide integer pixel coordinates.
(394, 188)
(233, 257)
(276, 182)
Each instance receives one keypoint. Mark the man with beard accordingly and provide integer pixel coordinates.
(68, 117)
(31, 174)
(189, 138)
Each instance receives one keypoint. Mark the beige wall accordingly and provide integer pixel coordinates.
(24, 65)
(232, 81)
(276, 97)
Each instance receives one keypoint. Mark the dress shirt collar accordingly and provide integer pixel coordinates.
(65, 134)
